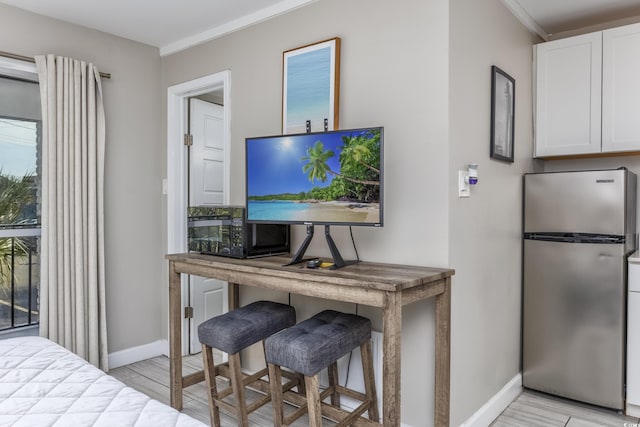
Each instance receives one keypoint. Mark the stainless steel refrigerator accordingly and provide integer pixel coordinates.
(579, 228)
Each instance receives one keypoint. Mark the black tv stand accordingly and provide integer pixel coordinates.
(338, 262)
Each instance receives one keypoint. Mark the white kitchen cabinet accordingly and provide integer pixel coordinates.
(621, 89)
(587, 96)
(568, 96)
(633, 337)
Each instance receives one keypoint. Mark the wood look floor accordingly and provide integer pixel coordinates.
(152, 378)
(530, 409)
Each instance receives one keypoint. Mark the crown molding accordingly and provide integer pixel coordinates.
(235, 25)
(518, 11)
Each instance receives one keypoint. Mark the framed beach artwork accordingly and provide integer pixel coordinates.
(310, 87)
(503, 98)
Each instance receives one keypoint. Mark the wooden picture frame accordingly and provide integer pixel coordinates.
(503, 98)
(311, 87)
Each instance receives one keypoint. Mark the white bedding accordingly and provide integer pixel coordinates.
(43, 384)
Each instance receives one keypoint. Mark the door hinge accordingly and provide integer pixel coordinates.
(188, 312)
(188, 139)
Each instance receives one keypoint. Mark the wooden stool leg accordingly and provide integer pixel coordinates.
(332, 370)
(275, 384)
(238, 389)
(301, 387)
(369, 380)
(212, 391)
(313, 400)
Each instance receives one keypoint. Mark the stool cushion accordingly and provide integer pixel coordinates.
(239, 328)
(315, 343)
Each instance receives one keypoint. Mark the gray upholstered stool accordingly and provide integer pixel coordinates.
(313, 345)
(232, 332)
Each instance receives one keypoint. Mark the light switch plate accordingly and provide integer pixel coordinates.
(464, 189)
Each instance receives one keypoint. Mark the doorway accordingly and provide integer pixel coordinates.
(179, 192)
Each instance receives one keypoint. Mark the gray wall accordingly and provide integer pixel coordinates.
(485, 229)
(133, 171)
(394, 72)
(421, 69)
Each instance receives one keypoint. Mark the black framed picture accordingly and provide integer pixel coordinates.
(503, 102)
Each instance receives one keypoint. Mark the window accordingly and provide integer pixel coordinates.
(20, 142)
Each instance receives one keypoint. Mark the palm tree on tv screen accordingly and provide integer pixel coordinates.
(316, 166)
(361, 149)
(359, 176)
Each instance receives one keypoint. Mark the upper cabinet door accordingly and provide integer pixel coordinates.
(568, 96)
(621, 89)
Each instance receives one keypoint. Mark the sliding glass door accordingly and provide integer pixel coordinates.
(20, 141)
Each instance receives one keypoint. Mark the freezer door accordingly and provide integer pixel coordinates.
(574, 321)
(577, 202)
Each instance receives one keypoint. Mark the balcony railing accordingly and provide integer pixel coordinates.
(19, 277)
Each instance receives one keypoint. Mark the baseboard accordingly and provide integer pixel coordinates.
(498, 403)
(165, 347)
(136, 354)
(632, 410)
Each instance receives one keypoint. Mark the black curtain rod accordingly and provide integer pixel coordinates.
(29, 59)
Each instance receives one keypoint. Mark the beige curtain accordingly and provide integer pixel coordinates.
(72, 281)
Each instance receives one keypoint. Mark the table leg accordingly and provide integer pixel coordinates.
(391, 334)
(234, 296)
(443, 353)
(175, 337)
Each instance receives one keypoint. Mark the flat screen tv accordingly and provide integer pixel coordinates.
(322, 178)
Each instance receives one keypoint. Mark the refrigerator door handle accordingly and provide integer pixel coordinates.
(575, 238)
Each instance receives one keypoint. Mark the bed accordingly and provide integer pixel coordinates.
(43, 384)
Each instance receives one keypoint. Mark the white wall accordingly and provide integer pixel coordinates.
(133, 170)
(485, 229)
(394, 72)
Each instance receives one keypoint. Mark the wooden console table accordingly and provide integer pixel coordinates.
(378, 285)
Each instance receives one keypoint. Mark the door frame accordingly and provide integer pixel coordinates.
(176, 181)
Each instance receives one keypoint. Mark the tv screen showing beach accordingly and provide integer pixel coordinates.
(316, 178)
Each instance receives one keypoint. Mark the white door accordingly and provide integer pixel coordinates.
(207, 153)
(206, 187)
